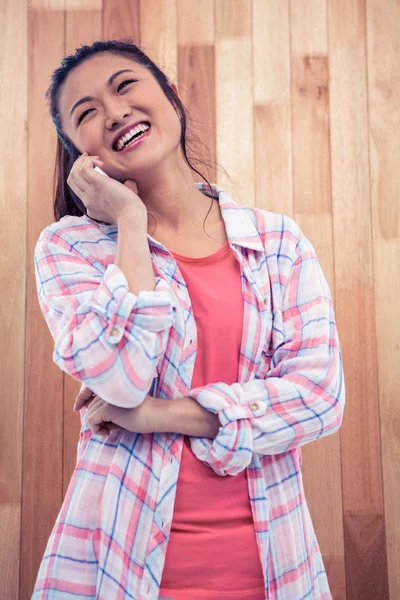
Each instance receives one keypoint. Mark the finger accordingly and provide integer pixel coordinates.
(91, 175)
(113, 426)
(83, 403)
(103, 432)
(76, 175)
(87, 167)
(100, 417)
(85, 393)
(83, 398)
(74, 185)
(93, 404)
(106, 429)
(131, 184)
(98, 412)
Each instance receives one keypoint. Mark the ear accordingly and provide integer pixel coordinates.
(175, 89)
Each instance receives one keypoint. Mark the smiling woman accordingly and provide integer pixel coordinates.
(135, 91)
(206, 361)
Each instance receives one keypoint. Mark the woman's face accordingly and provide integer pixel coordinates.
(98, 104)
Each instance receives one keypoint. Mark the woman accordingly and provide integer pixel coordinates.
(207, 358)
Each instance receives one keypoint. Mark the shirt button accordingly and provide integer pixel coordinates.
(266, 301)
(114, 331)
(254, 407)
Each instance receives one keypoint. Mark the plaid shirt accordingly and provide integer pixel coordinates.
(110, 537)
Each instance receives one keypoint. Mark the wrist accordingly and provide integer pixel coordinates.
(187, 417)
(128, 216)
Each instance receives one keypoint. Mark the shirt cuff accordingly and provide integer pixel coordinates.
(152, 310)
(231, 402)
(232, 449)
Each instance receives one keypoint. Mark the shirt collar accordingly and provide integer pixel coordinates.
(240, 227)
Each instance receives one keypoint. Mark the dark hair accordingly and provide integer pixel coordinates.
(65, 201)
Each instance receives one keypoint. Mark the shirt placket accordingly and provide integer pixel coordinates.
(255, 477)
(170, 465)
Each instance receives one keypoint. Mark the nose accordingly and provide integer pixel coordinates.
(116, 113)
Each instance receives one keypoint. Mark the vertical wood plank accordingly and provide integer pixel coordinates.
(10, 528)
(43, 422)
(383, 27)
(121, 19)
(196, 75)
(158, 34)
(312, 208)
(83, 26)
(366, 565)
(272, 114)
(311, 35)
(234, 98)
(13, 186)
(310, 118)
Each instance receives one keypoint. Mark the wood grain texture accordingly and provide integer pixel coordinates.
(313, 212)
(158, 34)
(234, 98)
(354, 276)
(310, 129)
(196, 84)
(13, 187)
(121, 19)
(365, 540)
(10, 524)
(310, 36)
(83, 23)
(196, 24)
(300, 102)
(43, 419)
(383, 27)
(272, 108)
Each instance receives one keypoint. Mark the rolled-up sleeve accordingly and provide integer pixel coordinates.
(302, 397)
(104, 335)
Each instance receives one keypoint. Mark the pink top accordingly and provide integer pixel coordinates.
(212, 551)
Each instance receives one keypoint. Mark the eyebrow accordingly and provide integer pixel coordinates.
(90, 98)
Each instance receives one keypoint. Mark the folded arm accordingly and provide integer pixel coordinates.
(302, 397)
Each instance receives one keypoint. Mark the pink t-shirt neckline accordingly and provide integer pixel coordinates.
(203, 259)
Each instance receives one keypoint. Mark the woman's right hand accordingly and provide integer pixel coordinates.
(105, 198)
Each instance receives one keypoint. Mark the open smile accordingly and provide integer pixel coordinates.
(132, 138)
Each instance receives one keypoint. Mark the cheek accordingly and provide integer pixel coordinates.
(91, 140)
(174, 129)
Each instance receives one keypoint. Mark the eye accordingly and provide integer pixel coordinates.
(84, 114)
(121, 86)
(124, 83)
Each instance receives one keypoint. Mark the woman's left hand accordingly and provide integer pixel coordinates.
(102, 417)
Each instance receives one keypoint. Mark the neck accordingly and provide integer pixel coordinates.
(172, 198)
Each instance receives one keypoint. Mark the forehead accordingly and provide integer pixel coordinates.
(90, 77)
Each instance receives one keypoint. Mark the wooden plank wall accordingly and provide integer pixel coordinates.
(299, 100)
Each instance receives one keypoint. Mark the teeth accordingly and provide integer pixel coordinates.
(120, 143)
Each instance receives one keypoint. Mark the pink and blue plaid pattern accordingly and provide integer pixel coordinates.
(110, 537)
